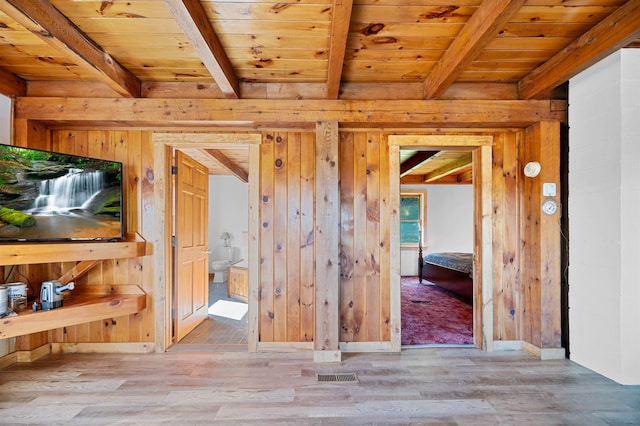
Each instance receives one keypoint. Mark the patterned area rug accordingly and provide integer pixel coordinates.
(432, 316)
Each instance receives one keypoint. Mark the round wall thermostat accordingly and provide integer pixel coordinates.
(532, 169)
(549, 207)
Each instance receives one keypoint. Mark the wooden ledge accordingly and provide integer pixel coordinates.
(22, 253)
(97, 303)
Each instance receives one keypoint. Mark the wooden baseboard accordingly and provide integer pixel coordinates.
(544, 353)
(34, 354)
(308, 346)
(25, 356)
(285, 346)
(8, 360)
(366, 347)
(126, 348)
(507, 345)
(520, 345)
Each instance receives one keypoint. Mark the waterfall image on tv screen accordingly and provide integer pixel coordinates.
(48, 196)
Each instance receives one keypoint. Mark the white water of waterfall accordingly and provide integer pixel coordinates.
(70, 191)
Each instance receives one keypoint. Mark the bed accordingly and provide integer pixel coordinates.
(450, 271)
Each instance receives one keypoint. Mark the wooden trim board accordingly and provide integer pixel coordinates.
(127, 348)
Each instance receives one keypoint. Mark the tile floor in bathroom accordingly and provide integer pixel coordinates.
(217, 334)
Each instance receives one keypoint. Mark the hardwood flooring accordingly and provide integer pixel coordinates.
(216, 334)
(445, 386)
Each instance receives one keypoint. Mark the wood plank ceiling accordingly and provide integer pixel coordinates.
(308, 49)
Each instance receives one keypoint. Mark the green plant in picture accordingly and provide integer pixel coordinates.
(113, 167)
(11, 159)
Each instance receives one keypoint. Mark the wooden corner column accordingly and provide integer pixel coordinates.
(326, 343)
(541, 242)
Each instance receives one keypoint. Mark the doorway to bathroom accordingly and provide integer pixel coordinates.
(227, 159)
(226, 327)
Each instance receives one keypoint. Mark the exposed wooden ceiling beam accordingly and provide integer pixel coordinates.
(283, 90)
(612, 33)
(466, 176)
(240, 112)
(11, 84)
(193, 20)
(228, 164)
(452, 167)
(482, 27)
(415, 160)
(412, 180)
(51, 26)
(340, 20)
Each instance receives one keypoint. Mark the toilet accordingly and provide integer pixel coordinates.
(221, 258)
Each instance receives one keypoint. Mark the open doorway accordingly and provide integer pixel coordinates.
(437, 263)
(473, 164)
(233, 154)
(226, 327)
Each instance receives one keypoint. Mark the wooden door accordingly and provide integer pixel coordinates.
(191, 284)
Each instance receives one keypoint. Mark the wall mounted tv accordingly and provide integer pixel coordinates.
(50, 196)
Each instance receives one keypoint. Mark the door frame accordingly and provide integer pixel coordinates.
(163, 146)
(481, 144)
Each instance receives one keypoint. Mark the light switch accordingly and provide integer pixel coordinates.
(549, 189)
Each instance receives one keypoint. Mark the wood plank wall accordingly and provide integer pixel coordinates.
(540, 242)
(33, 135)
(526, 243)
(365, 232)
(134, 150)
(287, 259)
(523, 246)
(507, 313)
(364, 244)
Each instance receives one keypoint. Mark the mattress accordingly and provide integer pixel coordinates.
(461, 262)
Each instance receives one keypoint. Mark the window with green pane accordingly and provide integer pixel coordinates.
(411, 218)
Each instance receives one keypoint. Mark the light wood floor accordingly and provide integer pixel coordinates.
(216, 334)
(445, 386)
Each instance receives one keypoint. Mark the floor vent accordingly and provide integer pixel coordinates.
(340, 377)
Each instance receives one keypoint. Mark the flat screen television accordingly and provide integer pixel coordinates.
(51, 196)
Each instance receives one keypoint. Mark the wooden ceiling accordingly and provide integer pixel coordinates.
(442, 166)
(224, 160)
(315, 49)
(307, 49)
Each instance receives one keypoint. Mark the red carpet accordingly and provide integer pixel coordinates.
(431, 316)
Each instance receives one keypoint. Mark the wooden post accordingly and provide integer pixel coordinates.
(483, 319)
(29, 133)
(327, 244)
(550, 328)
(394, 248)
(254, 245)
(162, 247)
(541, 328)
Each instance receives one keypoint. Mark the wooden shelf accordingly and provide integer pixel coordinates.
(23, 253)
(95, 303)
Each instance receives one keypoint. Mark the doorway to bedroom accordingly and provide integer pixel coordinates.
(440, 212)
(436, 301)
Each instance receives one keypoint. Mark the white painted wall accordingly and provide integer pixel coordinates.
(604, 217)
(228, 212)
(5, 120)
(449, 223)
